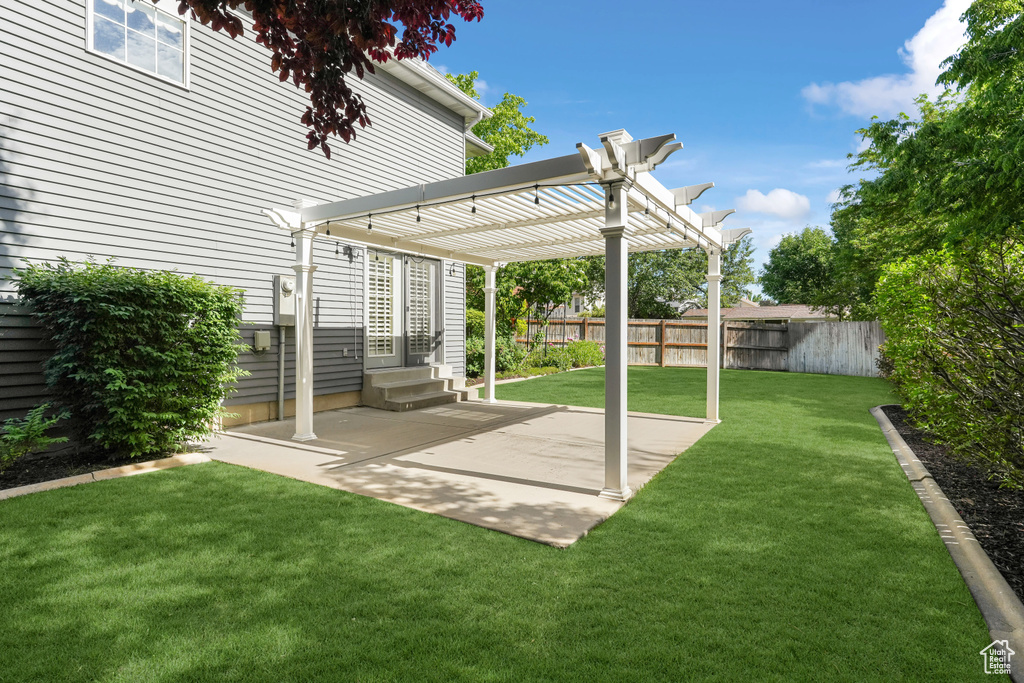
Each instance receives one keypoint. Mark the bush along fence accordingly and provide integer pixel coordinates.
(831, 348)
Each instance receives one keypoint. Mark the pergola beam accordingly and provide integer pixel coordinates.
(567, 170)
(632, 249)
(511, 225)
(571, 240)
(346, 234)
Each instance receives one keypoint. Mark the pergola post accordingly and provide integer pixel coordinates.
(714, 330)
(616, 245)
(304, 269)
(490, 287)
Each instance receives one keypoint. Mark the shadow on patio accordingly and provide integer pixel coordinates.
(524, 469)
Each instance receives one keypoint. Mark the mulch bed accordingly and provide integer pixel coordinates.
(996, 516)
(44, 467)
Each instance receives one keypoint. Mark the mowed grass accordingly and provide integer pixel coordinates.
(786, 545)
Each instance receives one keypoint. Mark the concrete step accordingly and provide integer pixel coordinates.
(383, 375)
(411, 387)
(403, 389)
(436, 398)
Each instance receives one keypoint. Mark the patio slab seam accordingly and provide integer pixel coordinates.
(999, 605)
(104, 475)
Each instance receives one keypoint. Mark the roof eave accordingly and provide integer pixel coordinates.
(429, 81)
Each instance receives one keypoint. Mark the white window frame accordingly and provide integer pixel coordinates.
(185, 84)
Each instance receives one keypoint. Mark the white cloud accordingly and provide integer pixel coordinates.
(779, 202)
(886, 96)
(833, 197)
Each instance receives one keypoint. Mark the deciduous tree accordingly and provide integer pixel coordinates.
(656, 278)
(799, 267)
(507, 130)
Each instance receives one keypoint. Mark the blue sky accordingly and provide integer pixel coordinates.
(766, 97)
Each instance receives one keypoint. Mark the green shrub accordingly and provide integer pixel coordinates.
(143, 359)
(21, 436)
(474, 323)
(549, 357)
(508, 355)
(954, 349)
(585, 353)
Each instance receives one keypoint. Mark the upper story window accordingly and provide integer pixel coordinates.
(139, 34)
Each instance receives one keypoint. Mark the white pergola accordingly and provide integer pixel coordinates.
(594, 202)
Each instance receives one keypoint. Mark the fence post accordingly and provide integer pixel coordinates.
(662, 363)
(585, 328)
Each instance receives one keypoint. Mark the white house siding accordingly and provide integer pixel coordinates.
(455, 316)
(97, 159)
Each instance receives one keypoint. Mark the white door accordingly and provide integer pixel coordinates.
(384, 338)
(423, 311)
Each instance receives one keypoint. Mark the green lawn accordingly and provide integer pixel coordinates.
(786, 545)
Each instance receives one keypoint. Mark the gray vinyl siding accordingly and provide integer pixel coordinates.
(455, 317)
(97, 159)
(21, 362)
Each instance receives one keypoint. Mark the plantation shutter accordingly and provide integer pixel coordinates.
(381, 305)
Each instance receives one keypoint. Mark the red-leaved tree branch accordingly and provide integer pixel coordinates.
(318, 43)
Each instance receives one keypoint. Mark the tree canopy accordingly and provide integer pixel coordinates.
(507, 130)
(656, 278)
(319, 43)
(799, 267)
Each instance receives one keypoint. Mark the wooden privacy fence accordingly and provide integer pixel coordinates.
(832, 348)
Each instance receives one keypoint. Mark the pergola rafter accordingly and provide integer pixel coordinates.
(593, 202)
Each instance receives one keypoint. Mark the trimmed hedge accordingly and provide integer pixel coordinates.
(954, 326)
(143, 358)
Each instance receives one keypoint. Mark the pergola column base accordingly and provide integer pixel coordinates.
(617, 495)
(304, 437)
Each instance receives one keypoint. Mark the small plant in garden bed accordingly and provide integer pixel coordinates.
(21, 436)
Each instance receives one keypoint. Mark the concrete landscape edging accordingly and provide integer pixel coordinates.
(112, 473)
(999, 605)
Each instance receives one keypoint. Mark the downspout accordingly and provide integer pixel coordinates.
(472, 123)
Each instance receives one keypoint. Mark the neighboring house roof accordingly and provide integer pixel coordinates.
(432, 83)
(789, 311)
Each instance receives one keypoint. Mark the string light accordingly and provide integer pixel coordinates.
(417, 213)
(328, 231)
(369, 223)
(473, 210)
(536, 194)
(293, 240)
(337, 248)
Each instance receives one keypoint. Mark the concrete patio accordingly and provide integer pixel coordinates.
(526, 469)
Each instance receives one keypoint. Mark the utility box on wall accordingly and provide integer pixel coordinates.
(284, 300)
